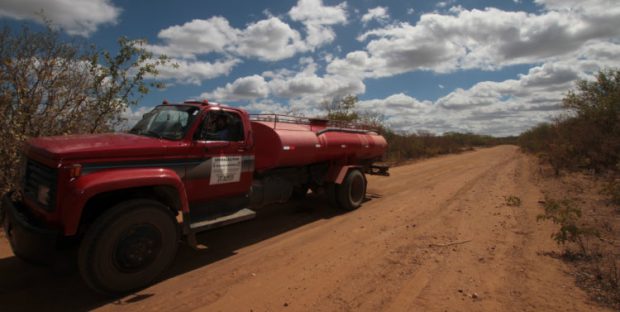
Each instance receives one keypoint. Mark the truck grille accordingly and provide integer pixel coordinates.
(40, 184)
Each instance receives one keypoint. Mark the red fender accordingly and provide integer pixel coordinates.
(337, 173)
(87, 186)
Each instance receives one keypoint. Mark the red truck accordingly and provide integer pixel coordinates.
(127, 199)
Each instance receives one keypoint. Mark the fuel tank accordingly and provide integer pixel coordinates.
(288, 144)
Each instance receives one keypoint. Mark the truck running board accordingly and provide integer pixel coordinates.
(191, 227)
(241, 215)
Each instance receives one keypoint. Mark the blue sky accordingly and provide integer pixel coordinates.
(490, 67)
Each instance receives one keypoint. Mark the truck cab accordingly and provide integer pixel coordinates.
(128, 199)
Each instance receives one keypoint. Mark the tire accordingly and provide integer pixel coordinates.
(128, 247)
(332, 195)
(351, 193)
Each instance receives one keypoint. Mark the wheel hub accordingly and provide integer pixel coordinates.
(137, 248)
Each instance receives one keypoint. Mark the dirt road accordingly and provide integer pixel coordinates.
(435, 236)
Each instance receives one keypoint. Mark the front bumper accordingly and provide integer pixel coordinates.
(29, 241)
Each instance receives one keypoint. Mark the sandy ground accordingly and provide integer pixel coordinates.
(435, 236)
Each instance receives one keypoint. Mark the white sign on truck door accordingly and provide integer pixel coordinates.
(225, 169)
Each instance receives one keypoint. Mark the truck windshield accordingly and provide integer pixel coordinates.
(166, 122)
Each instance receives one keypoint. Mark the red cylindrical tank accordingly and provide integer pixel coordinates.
(281, 144)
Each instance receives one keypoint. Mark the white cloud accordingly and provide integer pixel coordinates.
(379, 14)
(196, 37)
(318, 20)
(312, 87)
(268, 13)
(498, 108)
(395, 105)
(596, 7)
(489, 107)
(313, 11)
(563, 42)
(303, 90)
(269, 40)
(316, 87)
(245, 88)
(484, 39)
(194, 72)
(76, 17)
(565, 39)
(355, 64)
(268, 107)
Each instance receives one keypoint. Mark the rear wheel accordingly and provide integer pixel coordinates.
(128, 247)
(351, 193)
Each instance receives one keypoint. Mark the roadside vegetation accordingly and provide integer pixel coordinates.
(586, 228)
(52, 86)
(587, 137)
(582, 150)
(422, 144)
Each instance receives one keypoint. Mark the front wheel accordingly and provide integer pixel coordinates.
(351, 193)
(128, 247)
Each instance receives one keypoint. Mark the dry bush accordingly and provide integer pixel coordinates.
(612, 190)
(406, 146)
(588, 137)
(512, 201)
(341, 109)
(51, 86)
(609, 274)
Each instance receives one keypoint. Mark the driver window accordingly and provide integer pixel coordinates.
(221, 126)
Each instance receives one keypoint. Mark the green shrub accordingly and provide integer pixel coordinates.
(566, 214)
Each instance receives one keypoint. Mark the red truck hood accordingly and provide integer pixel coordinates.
(110, 145)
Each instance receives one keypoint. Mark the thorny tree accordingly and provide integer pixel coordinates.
(51, 86)
(341, 109)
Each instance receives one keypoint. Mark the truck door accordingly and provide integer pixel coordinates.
(222, 177)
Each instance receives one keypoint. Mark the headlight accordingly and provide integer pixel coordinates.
(43, 194)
